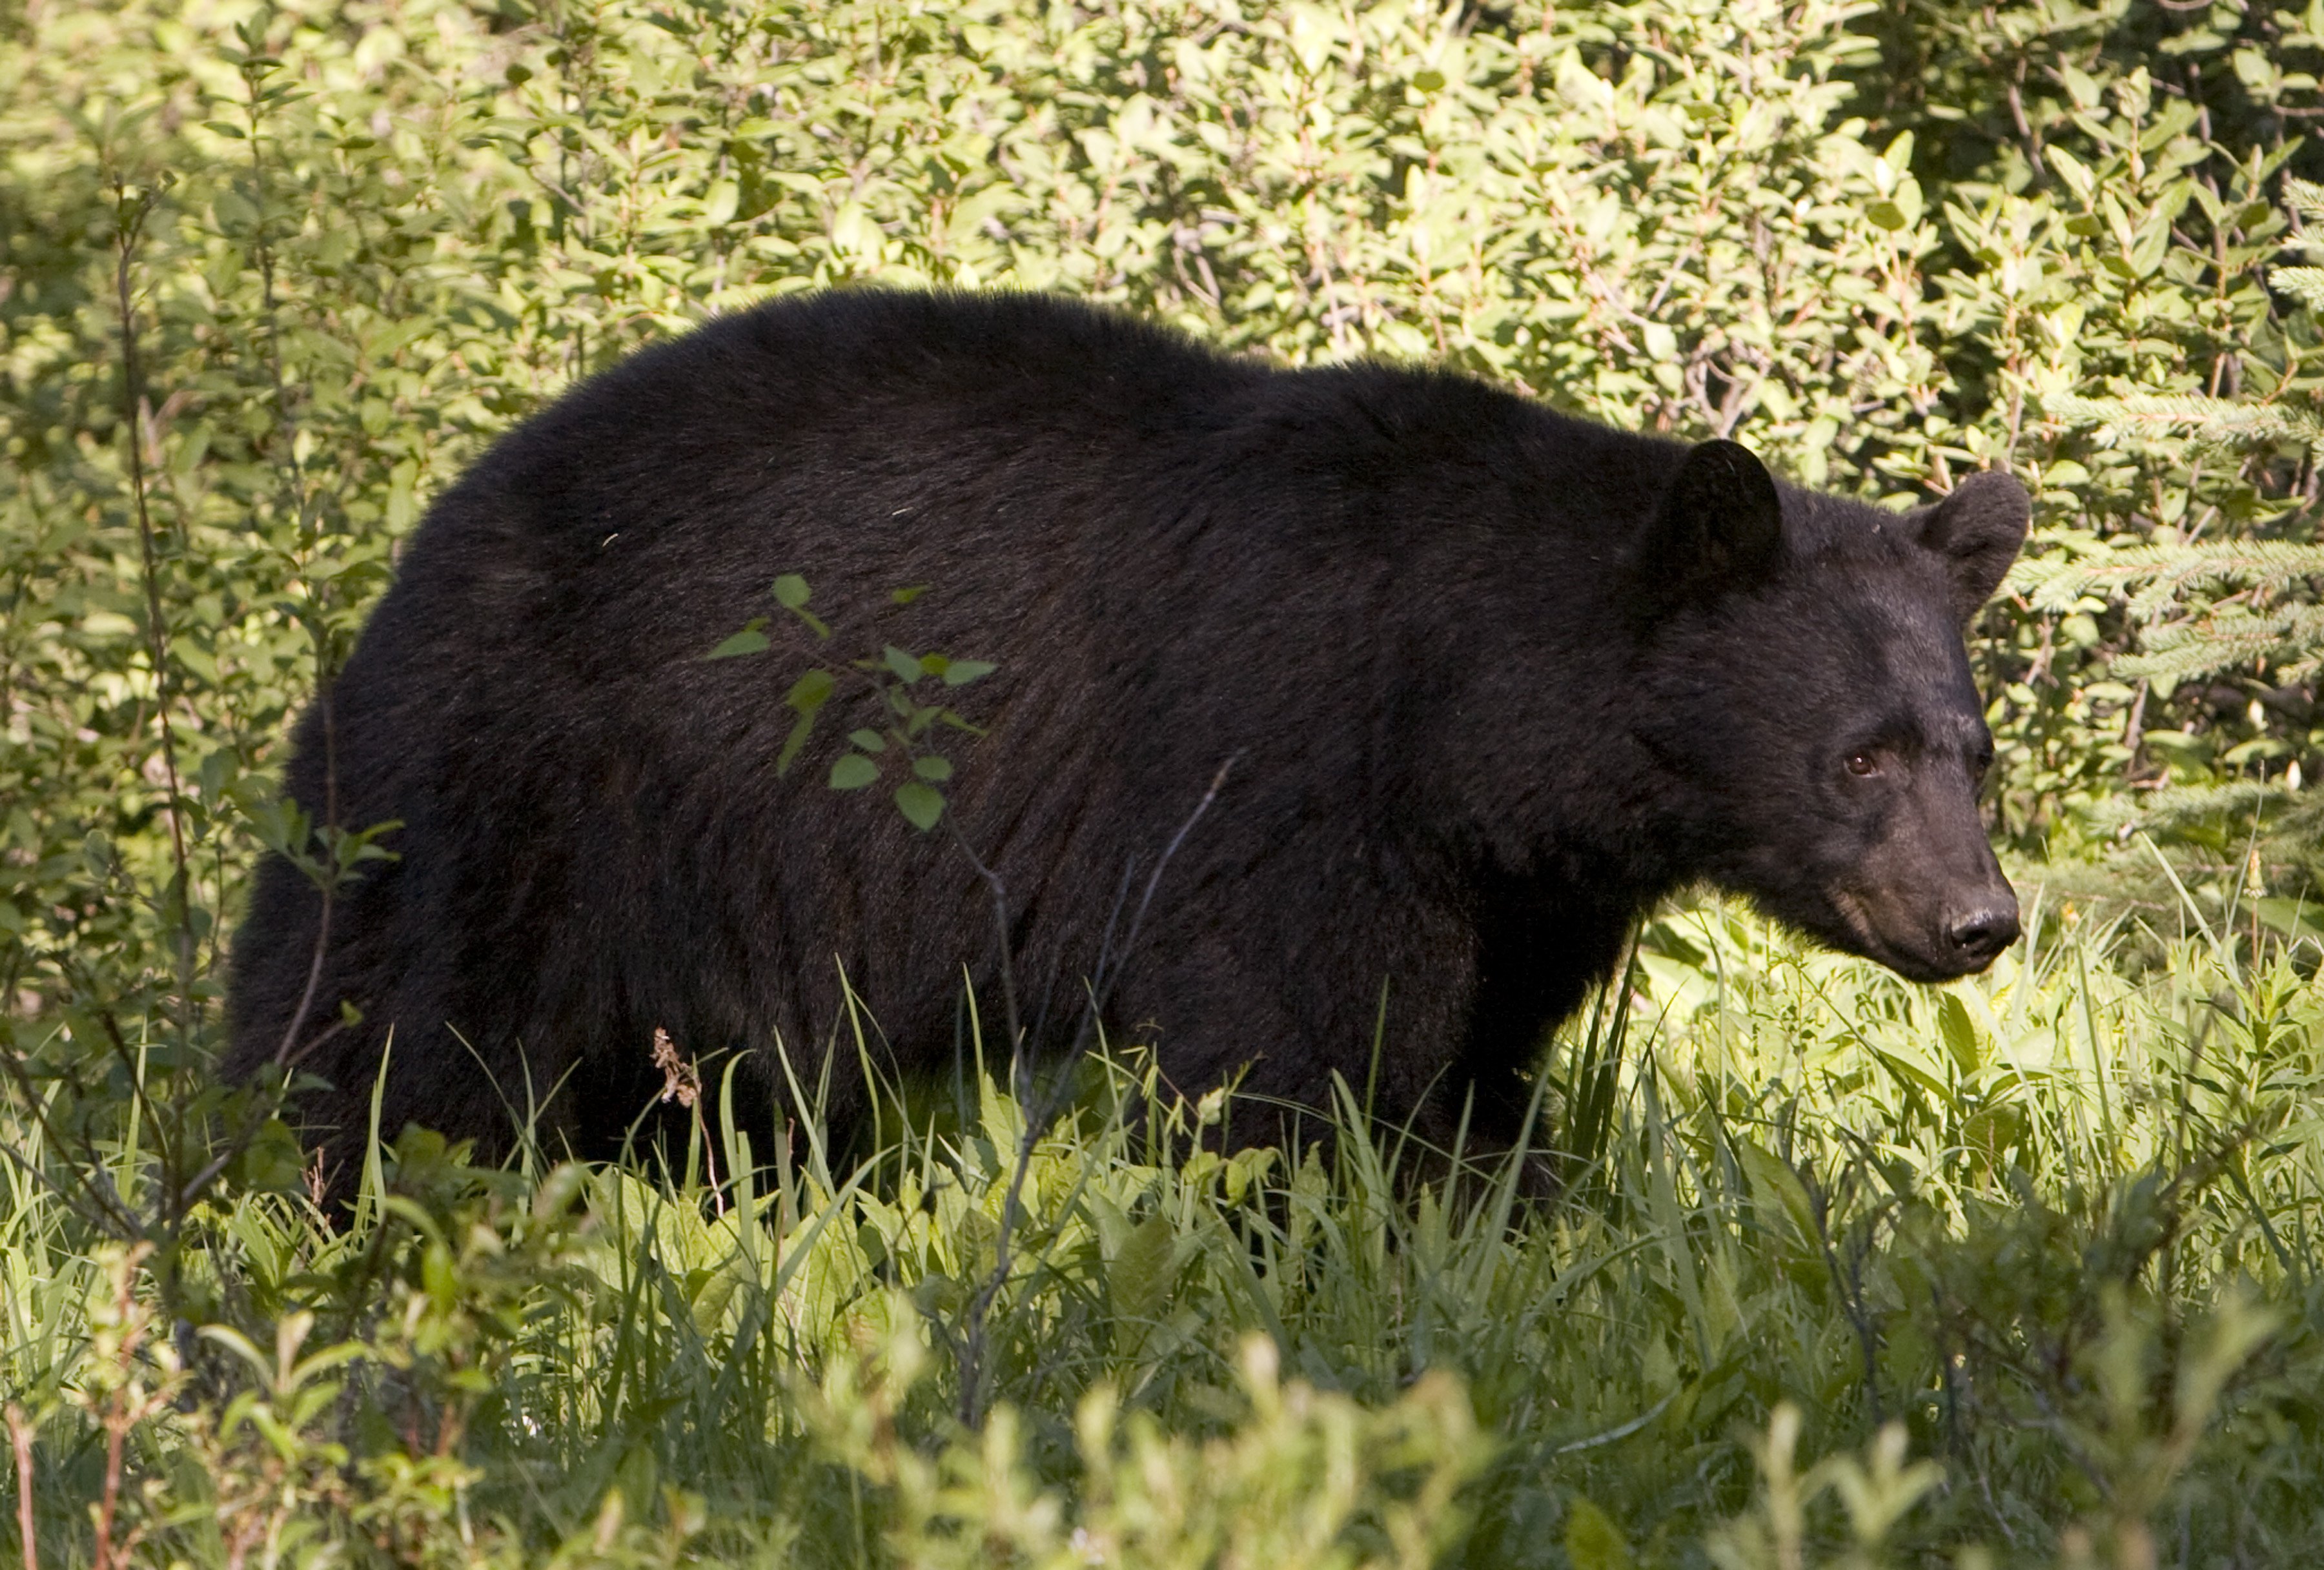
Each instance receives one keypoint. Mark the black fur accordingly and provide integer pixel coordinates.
(1496, 680)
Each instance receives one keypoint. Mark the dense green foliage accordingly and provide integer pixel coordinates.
(2025, 1265)
(270, 274)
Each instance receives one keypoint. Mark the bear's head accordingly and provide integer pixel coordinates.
(1811, 694)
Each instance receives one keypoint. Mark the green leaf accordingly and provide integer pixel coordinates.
(934, 769)
(2153, 239)
(1592, 1540)
(870, 740)
(751, 640)
(854, 771)
(904, 596)
(791, 594)
(2070, 172)
(1910, 1074)
(1960, 1032)
(905, 666)
(810, 692)
(807, 696)
(1139, 1278)
(922, 804)
(803, 728)
(1908, 199)
(961, 672)
(1773, 1181)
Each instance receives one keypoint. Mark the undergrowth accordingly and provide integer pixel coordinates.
(1842, 1272)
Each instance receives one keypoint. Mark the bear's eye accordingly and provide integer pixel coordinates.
(1862, 763)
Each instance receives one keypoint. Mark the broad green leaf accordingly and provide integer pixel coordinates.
(934, 769)
(1911, 1074)
(1958, 1031)
(810, 691)
(961, 672)
(906, 668)
(922, 804)
(854, 771)
(2070, 170)
(870, 740)
(791, 591)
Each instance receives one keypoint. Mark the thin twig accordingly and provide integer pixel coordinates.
(132, 1071)
(124, 1413)
(169, 1135)
(1218, 782)
(20, 1438)
(191, 1190)
(1037, 1117)
(327, 887)
(128, 232)
(132, 396)
(110, 1214)
(1109, 966)
(288, 1051)
(1001, 927)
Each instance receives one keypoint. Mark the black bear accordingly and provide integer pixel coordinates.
(1492, 681)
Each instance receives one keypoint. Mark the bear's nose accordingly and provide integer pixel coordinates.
(1983, 933)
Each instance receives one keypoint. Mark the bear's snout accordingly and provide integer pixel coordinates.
(1936, 935)
(1980, 934)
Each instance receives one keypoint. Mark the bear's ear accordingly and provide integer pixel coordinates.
(1977, 530)
(1720, 530)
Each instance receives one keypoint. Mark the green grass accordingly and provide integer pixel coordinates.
(2024, 1262)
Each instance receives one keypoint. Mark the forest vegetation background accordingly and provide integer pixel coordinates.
(2027, 1262)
